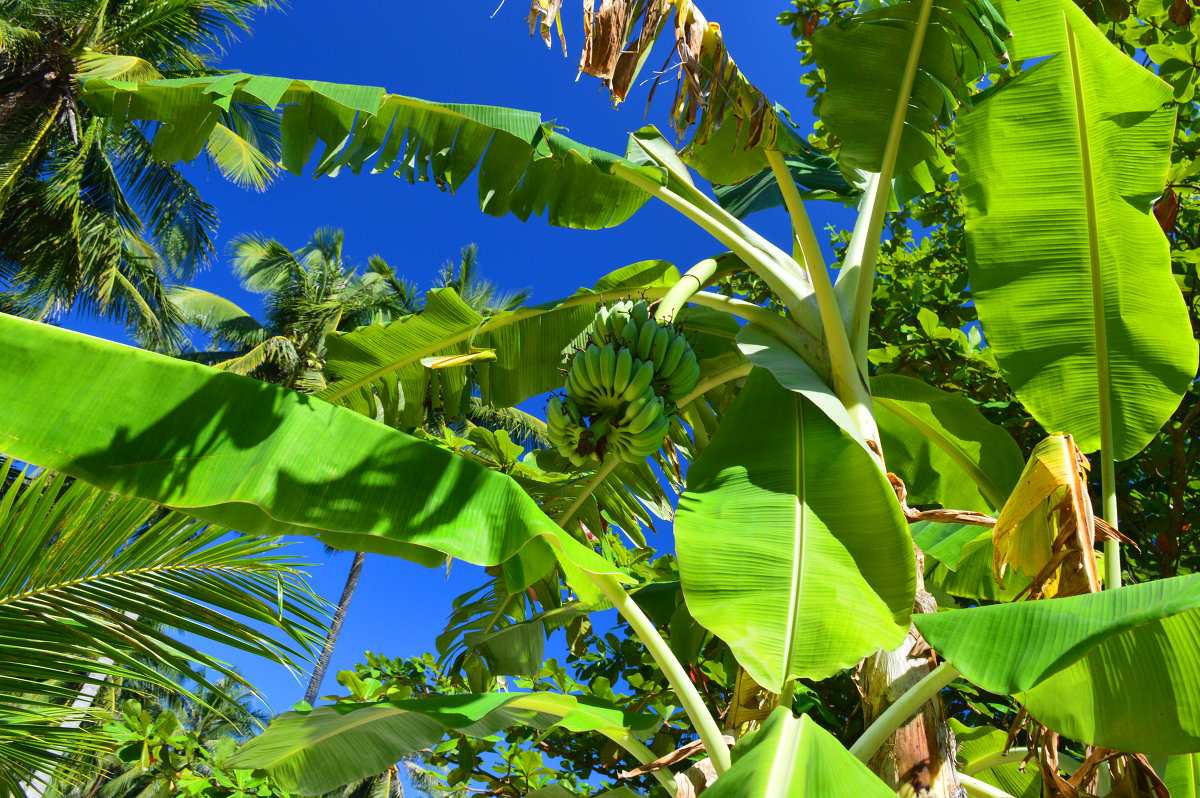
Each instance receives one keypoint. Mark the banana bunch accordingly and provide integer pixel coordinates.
(630, 325)
(622, 387)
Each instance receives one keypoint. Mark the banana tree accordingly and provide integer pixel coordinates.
(1060, 160)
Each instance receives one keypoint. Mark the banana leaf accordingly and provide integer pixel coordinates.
(786, 521)
(524, 166)
(319, 750)
(260, 458)
(1115, 669)
(1071, 274)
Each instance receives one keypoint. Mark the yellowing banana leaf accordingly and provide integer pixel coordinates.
(793, 757)
(1115, 669)
(734, 121)
(258, 458)
(524, 166)
(1059, 168)
(1046, 528)
(317, 751)
(785, 522)
(943, 448)
(972, 579)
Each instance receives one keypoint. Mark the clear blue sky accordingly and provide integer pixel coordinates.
(460, 52)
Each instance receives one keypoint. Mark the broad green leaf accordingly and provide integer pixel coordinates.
(980, 755)
(1059, 168)
(863, 59)
(945, 542)
(816, 177)
(524, 166)
(256, 457)
(786, 521)
(1116, 669)
(1182, 776)
(793, 757)
(973, 577)
(316, 751)
(943, 448)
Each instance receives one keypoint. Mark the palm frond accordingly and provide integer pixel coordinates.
(239, 160)
(263, 264)
(89, 580)
(277, 349)
(222, 319)
(524, 429)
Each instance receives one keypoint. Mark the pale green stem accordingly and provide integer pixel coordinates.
(1108, 484)
(974, 786)
(720, 378)
(798, 339)
(706, 727)
(787, 693)
(1014, 757)
(903, 709)
(644, 628)
(605, 469)
(847, 381)
(693, 280)
(790, 285)
(876, 198)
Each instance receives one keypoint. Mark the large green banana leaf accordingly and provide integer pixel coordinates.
(258, 458)
(793, 757)
(941, 445)
(1071, 274)
(863, 59)
(316, 751)
(524, 166)
(786, 522)
(1116, 669)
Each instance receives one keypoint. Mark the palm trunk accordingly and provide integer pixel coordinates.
(314, 686)
(919, 758)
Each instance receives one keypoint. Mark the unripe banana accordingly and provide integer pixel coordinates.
(591, 359)
(623, 372)
(629, 334)
(608, 368)
(636, 406)
(643, 373)
(600, 325)
(645, 340)
(683, 385)
(572, 408)
(653, 410)
(682, 367)
(650, 439)
(639, 312)
(658, 349)
(674, 354)
(578, 382)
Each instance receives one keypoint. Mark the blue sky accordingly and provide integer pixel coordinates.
(460, 52)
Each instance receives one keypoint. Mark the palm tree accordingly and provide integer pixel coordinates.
(88, 584)
(309, 293)
(124, 226)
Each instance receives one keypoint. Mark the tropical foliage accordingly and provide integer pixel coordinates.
(794, 531)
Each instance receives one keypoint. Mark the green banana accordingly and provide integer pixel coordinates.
(643, 373)
(645, 340)
(639, 312)
(608, 368)
(635, 407)
(662, 339)
(674, 354)
(623, 371)
(591, 360)
(682, 367)
(684, 384)
(629, 334)
(649, 413)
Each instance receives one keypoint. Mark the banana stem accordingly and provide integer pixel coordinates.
(974, 786)
(706, 727)
(693, 280)
(847, 381)
(899, 712)
(790, 284)
(720, 378)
